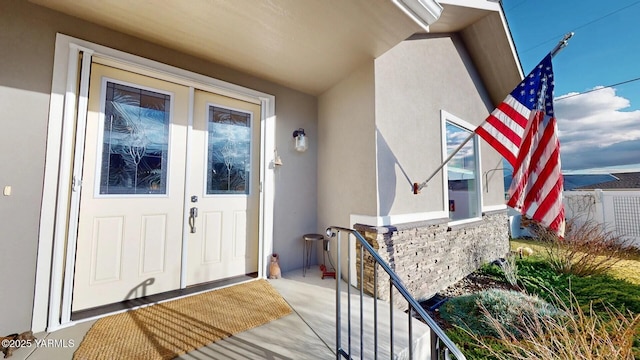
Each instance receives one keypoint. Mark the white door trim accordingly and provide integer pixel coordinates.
(74, 206)
(52, 292)
(187, 200)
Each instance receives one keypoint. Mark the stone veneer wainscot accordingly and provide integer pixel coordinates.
(429, 256)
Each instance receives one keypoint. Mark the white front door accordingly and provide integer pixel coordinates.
(136, 177)
(224, 186)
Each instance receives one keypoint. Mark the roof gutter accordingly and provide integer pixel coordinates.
(423, 12)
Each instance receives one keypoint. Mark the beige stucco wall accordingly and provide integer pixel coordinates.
(497, 64)
(415, 81)
(346, 162)
(27, 38)
(380, 132)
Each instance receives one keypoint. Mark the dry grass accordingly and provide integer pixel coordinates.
(539, 249)
(576, 335)
(625, 269)
(588, 248)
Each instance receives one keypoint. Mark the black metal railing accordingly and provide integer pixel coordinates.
(441, 347)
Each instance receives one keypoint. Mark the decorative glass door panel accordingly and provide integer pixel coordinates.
(135, 141)
(133, 227)
(223, 241)
(129, 239)
(228, 151)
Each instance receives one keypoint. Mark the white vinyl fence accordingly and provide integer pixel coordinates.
(618, 211)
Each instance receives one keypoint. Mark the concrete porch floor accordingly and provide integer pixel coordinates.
(307, 333)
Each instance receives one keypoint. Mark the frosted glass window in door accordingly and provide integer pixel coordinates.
(228, 151)
(135, 141)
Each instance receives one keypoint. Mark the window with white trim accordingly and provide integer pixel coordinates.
(463, 195)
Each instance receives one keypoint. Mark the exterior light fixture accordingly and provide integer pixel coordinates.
(276, 158)
(301, 140)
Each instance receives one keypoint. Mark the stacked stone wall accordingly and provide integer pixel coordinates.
(430, 256)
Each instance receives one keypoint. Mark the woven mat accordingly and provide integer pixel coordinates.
(164, 331)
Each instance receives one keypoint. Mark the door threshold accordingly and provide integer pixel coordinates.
(161, 297)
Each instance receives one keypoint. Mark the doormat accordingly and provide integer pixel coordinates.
(164, 331)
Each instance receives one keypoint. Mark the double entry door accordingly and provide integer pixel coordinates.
(166, 202)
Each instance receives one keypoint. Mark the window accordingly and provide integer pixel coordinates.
(229, 151)
(135, 141)
(463, 182)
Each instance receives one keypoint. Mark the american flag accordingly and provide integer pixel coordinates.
(524, 131)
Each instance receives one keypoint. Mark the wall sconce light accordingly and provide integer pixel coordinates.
(276, 158)
(301, 140)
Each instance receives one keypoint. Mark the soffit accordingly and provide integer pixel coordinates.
(489, 43)
(455, 18)
(305, 45)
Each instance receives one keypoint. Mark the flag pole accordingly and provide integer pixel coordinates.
(417, 187)
(562, 44)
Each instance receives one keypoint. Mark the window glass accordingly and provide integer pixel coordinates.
(462, 174)
(228, 151)
(135, 141)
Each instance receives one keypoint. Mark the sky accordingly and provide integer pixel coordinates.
(599, 130)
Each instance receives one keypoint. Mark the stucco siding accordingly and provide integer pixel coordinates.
(27, 37)
(415, 81)
(25, 80)
(296, 180)
(497, 65)
(346, 162)
(22, 160)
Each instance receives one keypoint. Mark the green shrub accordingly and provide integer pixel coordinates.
(576, 335)
(470, 347)
(599, 292)
(492, 270)
(538, 277)
(507, 306)
(503, 270)
(614, 303)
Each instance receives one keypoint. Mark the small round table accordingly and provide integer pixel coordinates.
(309, 241)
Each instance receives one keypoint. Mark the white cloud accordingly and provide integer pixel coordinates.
(595, 130)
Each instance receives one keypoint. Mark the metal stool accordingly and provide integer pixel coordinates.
(309, 241)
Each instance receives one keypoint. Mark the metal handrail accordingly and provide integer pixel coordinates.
(441, 346)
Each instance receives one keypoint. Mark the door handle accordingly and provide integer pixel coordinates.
(193, 214)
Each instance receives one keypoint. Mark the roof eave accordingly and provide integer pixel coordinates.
(423, 12)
